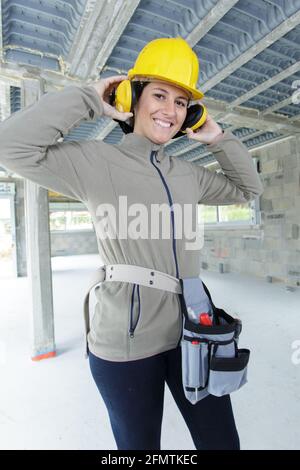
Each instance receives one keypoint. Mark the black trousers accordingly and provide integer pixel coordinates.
(133, 393)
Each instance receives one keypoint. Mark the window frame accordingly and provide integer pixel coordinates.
(255, 222)
(69, 206)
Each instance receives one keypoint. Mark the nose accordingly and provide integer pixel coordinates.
(169, 108)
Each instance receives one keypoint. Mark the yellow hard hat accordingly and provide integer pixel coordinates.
(169, 59)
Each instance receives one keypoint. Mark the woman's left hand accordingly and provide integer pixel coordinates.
(206, 133)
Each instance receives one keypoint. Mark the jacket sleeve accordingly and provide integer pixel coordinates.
(28, 140)
(240, 181)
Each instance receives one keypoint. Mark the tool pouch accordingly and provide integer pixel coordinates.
(211, 361)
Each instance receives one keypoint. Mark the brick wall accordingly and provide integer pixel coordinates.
(273, 248)
(73, 243)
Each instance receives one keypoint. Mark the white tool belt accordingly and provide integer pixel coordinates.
(128, 273)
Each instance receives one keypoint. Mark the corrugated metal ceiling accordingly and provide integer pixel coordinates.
(249, 54)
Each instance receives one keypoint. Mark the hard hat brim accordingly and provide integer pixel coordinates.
(196, 94)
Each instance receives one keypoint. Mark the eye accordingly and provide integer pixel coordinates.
(182, 104)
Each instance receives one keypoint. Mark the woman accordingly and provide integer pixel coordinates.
(135, 332)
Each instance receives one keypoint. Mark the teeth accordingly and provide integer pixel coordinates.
(162, 123)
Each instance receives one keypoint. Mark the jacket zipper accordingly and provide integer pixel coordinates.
(131, 326)
(153, 154)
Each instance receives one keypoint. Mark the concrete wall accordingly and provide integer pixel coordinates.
(273, 248)
(73, 243)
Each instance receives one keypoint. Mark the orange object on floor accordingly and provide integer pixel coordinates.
(44, 356)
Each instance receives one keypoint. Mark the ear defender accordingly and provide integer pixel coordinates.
(126, 95)
(124, 98)
(195, 118)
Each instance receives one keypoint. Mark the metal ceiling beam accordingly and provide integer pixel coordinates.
(13, 74)
(267, 84)
(243, 139)
(207, 23)
(295, 118)
(10, 76)
(272, 124)
(279, 105)
(253, 51)
(247, 117)
(106, 130)
(100, 29)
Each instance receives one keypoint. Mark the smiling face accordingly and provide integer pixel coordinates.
(160, 111)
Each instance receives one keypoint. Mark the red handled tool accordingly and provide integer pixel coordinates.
(204, 319)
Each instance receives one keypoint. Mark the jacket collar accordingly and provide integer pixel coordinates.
(142, 147)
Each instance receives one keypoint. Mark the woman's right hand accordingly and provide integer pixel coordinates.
(104, 87)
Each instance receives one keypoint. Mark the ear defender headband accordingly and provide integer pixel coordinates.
(126, 95)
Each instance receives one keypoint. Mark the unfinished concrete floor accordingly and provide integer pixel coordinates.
(54, 403)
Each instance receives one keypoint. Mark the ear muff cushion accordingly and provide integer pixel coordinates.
(195, 118)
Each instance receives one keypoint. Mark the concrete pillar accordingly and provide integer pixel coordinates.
(38, 253)
(20, 228)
